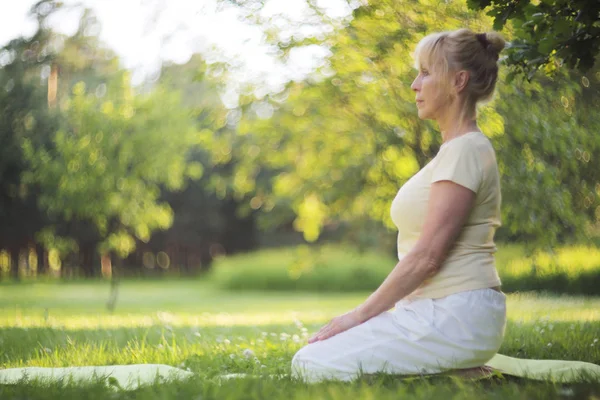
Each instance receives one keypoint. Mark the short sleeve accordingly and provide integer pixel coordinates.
(459, 162)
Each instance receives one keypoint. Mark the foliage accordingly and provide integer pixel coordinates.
(323, 269)
(573, 270)
(550, 183)
(110, 159)
(344, 140)
(204, 216)
(548, 33)
(23, 116)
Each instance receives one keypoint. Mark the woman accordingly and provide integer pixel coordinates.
(449, 311)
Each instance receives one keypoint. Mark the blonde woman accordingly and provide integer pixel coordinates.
(450, 313)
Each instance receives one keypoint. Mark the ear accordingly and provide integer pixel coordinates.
(460, 80)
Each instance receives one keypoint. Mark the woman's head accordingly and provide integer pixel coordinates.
(456, 65)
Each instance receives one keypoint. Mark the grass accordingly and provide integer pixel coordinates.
(572, 269)
(192, 324)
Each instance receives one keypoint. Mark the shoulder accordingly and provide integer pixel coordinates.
(475, 146)
(469, 142)
(463, 160)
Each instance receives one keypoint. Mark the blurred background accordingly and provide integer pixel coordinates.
(264, 141)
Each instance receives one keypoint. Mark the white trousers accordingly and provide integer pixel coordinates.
(421, 336)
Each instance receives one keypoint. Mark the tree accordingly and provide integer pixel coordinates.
(548, 33)
(24, 115)
(109, 159)
(205, 223)
(344, 140)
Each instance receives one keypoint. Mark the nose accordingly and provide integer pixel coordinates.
(415, 85)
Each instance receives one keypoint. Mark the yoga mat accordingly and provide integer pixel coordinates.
(545, 370)
(129, 377)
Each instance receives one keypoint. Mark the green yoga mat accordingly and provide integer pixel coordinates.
(545, 370)
(129, 377)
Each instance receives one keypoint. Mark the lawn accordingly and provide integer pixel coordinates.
(193, 325)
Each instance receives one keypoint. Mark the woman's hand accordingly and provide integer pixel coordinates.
(338, 325)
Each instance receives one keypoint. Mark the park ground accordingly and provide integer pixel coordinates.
(193, 325)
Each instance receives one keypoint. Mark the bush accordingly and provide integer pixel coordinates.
(309, 268)
(572, 270)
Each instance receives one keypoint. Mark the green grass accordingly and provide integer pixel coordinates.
(572, 269)
(192, 324)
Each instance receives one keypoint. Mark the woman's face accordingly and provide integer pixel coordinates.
(431, 96)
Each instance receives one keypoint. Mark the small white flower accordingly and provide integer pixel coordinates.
(304, 330)
(263, 366)
(264, 334)
(47, 350)
(232, 356)
(226, 341)
(248, 353)
(296, 338)
(160, 346)
(542, 331)
(596, 340)
(273, 334)
(549, 344)
(197, 334)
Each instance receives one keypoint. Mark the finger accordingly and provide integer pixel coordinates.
(329, 333)
(331, 330)
(314, 337)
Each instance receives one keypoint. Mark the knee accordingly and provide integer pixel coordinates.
(300, 362)
(305, 363)
(313, 363)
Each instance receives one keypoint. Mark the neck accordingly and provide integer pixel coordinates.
(452, 125)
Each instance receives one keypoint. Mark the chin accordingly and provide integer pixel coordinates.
(423, 115)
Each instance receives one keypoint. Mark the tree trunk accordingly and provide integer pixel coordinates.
(114, 285)
(43, 266)
(14, 263)
(87, 261)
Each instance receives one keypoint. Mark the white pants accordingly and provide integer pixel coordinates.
(422, 336)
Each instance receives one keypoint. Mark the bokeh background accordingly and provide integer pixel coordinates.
(259, 144)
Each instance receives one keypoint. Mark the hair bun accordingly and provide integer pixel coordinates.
(496, 42)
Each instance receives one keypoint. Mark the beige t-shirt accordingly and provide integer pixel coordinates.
(468, 160)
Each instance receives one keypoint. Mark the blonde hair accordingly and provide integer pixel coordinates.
(447, 52)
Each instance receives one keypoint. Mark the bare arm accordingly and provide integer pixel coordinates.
(449, 207)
